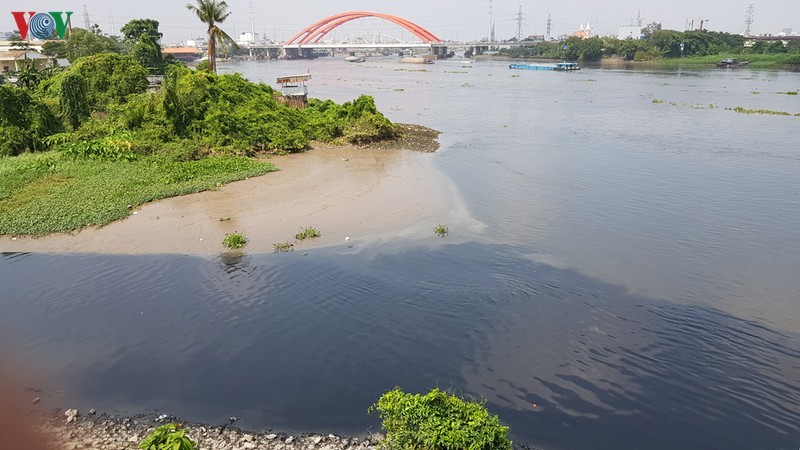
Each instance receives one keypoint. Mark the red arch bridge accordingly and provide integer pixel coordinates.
(310, 39)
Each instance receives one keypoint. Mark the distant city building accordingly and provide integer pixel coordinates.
(247, 38)
(786, 32)
(583, 32)
(187, 54)
(199, 43)
(630, 32)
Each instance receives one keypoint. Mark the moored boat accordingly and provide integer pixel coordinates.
(567, 67)
(355, 59)
(732, 62)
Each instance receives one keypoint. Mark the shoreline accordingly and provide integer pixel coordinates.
(101, 431)
(343, 191)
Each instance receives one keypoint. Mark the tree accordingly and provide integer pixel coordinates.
(212, 13)
(56, 49)
(28, 76)
(85, 43)
(649, 29)
(142, 37)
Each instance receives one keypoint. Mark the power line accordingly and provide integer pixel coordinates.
(519, 24)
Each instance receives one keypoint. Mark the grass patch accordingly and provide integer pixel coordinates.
(788, 93)
(438, 421)
(441, 230)
(741, 110)
(306, 233)
(234, 241)
(282, 247)
(658, 100)
(758, 61)
(44, 193)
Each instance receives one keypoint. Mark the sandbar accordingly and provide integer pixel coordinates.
(342, 191)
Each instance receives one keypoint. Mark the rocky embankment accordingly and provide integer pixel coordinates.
(108, 433)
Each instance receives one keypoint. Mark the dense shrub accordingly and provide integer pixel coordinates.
(24, 121)
(110, 78)
(438, 421)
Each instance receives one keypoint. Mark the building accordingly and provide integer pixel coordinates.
(630, 32)
(583, 32)
(247, 38)
(186, 54)
(13, 60)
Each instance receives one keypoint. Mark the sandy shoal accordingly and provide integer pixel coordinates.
(341, 191)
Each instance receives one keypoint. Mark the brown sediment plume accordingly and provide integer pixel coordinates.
(342, 191)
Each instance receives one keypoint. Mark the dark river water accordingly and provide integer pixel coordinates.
(626, 274)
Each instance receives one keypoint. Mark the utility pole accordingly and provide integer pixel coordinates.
(748, 21)
(519, 24)
(86, 18)
(549, 23)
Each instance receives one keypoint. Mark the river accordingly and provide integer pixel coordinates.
(626, 275)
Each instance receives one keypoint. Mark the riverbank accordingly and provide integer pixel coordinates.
(102, 432)
(778, 62)
(342, 191)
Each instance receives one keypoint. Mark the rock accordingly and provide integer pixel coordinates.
(37, 400)
(71, 414)
(271, 436)
(233, 419)
(247, 438)
(289, 440)
(248, 446)
(92, 412)
(316, 439)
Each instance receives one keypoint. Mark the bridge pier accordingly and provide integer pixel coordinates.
(440, 51)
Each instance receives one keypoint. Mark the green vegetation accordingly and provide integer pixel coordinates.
(308, 232)
(49, 192)
(142, 38)
(212, 13)
(665, 47)
(438, 421)
(234, 241)
(168, 437)
(104, 141)
(741, 110)
(282, 247)
(441, 230)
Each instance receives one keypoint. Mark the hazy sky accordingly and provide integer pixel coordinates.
(449, 19)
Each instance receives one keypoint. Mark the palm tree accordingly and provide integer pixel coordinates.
(212, 13)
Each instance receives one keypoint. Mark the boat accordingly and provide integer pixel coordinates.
(532, 66)
(355, 59)
(561, 67)
(732, 62)
(567, 67)
(425, 59)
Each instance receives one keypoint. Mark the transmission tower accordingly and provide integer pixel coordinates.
(252, 24)
(491, 25)
(549, 23)
(748, 21)
(86, 18)
(519, 24)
